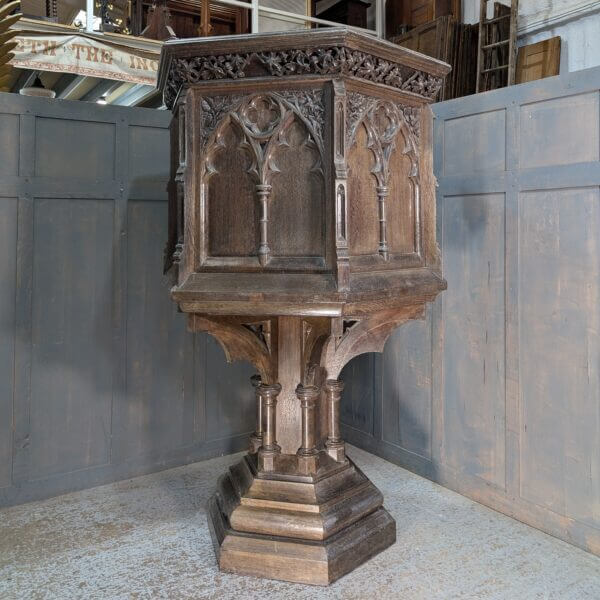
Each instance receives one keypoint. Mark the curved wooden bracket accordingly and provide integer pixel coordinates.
(367, 335)
(238, 343)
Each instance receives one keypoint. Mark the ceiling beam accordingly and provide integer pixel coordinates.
(80, 86)
(25, 79)
(117, 92)
(138, 93)
(64, 80)
(102, 89)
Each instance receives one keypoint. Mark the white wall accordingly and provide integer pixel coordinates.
(577, 22)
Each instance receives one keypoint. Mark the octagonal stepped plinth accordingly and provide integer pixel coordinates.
(308, 529)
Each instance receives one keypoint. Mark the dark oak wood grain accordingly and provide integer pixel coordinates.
(302, 234)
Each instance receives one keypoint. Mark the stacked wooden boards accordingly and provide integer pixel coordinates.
(454, 43)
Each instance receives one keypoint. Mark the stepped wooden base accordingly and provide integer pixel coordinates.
(302, 528)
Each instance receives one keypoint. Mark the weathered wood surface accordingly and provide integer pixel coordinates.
(497, 394)
(100, 379)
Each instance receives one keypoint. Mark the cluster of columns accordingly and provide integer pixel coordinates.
(263, 439)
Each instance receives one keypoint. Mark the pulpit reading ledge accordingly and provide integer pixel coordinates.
(301, 234)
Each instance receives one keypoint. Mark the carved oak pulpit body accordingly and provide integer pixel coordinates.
(302, 232)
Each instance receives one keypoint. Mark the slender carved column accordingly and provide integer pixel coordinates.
(341, 177)
(307, 453)
(269, 448)
(335, 445)
(179, 184)
(256, 439)
(382, 192)
(264, 252)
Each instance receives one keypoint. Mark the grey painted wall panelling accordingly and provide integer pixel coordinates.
(497, 393)
(100, 378)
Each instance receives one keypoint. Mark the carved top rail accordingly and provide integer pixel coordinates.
(331, 52)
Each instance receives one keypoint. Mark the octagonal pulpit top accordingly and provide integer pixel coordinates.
(302, 174)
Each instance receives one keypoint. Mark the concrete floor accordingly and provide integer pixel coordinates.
(148, 538)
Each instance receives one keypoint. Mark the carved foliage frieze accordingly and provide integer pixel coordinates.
(335, 60)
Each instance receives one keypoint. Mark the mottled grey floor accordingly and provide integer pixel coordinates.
(148, 538)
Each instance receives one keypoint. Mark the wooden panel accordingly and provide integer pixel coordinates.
(157, 411)
(230, 402)
(100, 316)
(481, 139)
(473, 342)
(429, 38)
(406, 390)
(8, 246)
(539, 60)
(399, 13)
(9, 143)
(74, 149)
(419, 11)
(148, 154)
(72, 349)
(297, 210)
(559, 329)
(231, 200)
(401, 202)
(560, 131)
(358, 399)
(363, 226)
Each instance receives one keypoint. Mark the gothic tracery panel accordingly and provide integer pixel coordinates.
(298, 196)
(383, 205)
(271, 145)
(230, 197)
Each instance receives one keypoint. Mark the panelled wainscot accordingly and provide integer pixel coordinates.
(302, 232)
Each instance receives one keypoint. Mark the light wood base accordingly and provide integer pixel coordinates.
(311, 529)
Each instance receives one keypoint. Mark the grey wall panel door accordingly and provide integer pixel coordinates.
(496, 394)
(100, 379)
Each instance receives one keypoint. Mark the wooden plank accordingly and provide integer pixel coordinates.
(156, 413)
(74, 149)
(473, 346)
(539, 60)
(358, 398)
(559, 326)
(72, 365)
(481, 138)
(8, 252)
(406, 394)
(560, 131)
(9, 142)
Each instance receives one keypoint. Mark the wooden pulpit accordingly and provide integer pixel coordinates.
(301, 234)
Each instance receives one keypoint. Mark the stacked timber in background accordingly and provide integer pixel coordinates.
(463, 53)
(454, 43)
